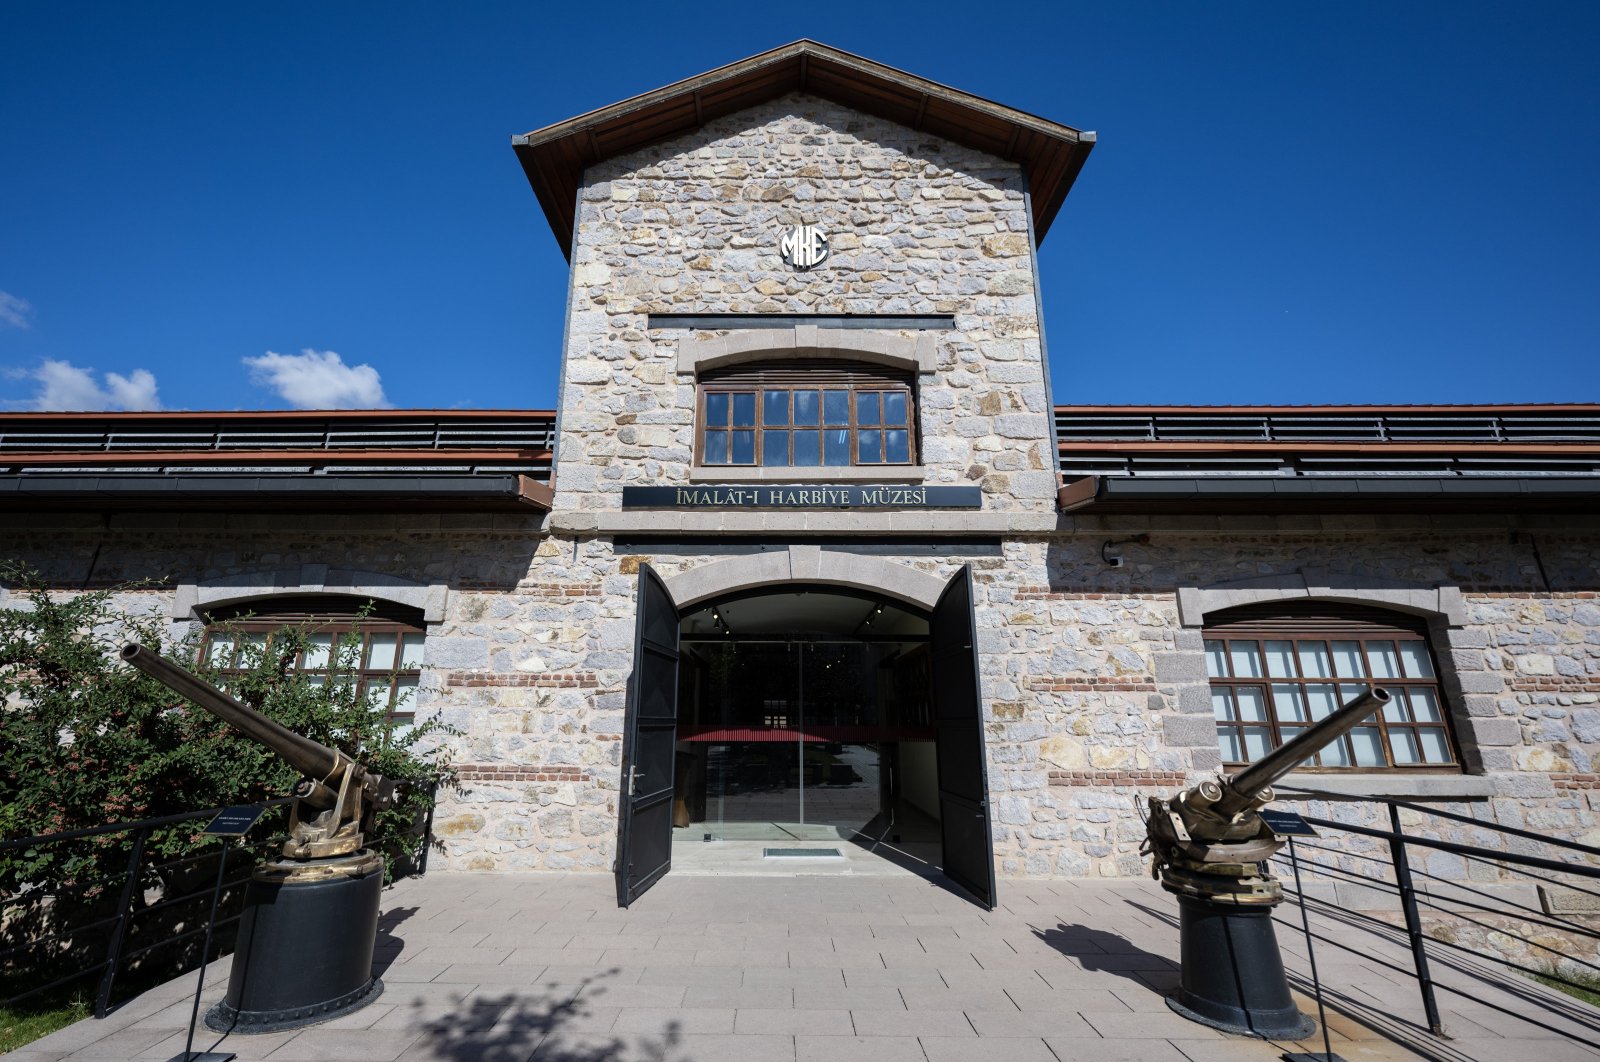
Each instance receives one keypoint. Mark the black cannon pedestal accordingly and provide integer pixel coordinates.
(1233, 977)
(304, 951)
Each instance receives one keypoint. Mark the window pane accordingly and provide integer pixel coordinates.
(1252, 703)
(1350, 693)
(1435, 749)
(220, 652)
(319, 649)
(1384, 660)
(836, 446)
(405, 694)
(716, 448)
(1222, 704)
(1280, 659)
(897, 446)
(1314, 661)
(775, 407)
(894, 407)
(805, 408)
(1368, 746)
(1257, 739)
(1228, 741)
(871, 446)
(1246, 659)
(1424, 704)
(378, 692)
(1403, 746)
(1347, 660)
(1288, 734)
(1290, 702)
(807, 447)
(1396, 711)
(1415, 657)
(381, 653)
(744, 409)
(411, 653)
(836, 407)
(1216, 660)
(1321, 699)
(716, 408)
(744, 447)
(1335, 755)
(774, 447)
(317, 681)
(867, 408)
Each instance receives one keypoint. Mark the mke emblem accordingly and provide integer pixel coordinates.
(803, 247)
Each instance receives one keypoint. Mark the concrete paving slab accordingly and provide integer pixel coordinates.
(826, 968)
(989, 1049)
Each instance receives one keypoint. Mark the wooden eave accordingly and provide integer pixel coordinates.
(555, 157)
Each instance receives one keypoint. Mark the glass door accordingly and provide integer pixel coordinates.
(782, 740)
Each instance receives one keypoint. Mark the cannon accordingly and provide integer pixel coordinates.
(310, 923)
(1210, 847)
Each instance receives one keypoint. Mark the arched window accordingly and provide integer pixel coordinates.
(1276, 669)
(819, 413)
(390, 640)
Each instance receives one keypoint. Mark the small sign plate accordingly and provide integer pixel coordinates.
(726, 497)
(234, 822)
(1287, 824)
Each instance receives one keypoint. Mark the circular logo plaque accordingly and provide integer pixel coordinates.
(803, 247)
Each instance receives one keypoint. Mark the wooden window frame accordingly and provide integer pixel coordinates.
(268, 617)
(1327, 625)
(802, 375)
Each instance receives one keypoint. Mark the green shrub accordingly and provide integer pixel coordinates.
(86, 740)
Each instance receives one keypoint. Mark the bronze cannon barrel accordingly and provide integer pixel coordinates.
(1280, 761)
(311, 759)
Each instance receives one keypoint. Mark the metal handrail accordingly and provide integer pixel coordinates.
(1398, 842)
(113, 927)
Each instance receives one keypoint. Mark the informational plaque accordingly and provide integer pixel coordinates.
(1287, 824)
(234, 822)
(762, 496)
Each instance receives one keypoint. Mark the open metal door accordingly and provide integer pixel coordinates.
(644, 807)
(968, 845)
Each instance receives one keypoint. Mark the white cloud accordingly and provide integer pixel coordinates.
(15, 311)
(64, 386)
(315, 379)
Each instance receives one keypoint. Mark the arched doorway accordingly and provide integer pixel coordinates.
(797, 711)
(805, 717)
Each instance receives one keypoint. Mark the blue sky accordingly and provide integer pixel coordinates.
(1289, 203)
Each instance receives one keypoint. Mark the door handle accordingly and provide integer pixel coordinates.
(634, 774)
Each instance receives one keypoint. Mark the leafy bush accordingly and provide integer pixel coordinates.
(86, 740)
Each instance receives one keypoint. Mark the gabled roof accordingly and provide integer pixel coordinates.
(555, 157)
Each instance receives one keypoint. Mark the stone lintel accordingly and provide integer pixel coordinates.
(896, 350)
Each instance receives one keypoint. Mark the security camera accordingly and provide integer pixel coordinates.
(1114, 561)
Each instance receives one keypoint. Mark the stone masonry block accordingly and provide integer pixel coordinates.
(1195, 699)
(1481, 682)
(1180, 667)
(1189, 730)
(1497, 731)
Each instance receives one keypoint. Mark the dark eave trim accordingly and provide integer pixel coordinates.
(517, 492)
(1097, 494)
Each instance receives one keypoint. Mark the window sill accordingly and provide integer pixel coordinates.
(806, 474)
(1380, 785)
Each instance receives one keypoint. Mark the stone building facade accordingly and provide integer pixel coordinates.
(1101, 544)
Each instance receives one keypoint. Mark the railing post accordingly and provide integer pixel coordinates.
(1408, 904)
(427, 827)
(119, 929)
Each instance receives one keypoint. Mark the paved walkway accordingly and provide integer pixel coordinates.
(502, 968)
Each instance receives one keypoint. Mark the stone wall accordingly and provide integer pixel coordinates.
(1084, 668)
(917, 226)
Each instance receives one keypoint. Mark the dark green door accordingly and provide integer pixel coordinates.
(644, 827)
(958, 719)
